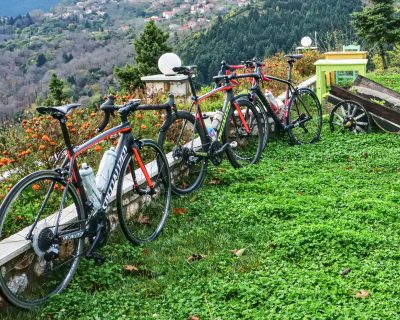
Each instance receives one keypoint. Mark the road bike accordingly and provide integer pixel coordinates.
(50, 218)
(300, 115)
(191, 140)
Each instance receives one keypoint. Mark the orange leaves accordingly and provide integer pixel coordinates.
(46, 138)
(24, 153)
(35, 187)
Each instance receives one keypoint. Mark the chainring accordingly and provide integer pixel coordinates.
(99, 221)
(215, 158)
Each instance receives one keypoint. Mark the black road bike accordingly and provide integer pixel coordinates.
(301, 114)
(190, 142)
(48, 221)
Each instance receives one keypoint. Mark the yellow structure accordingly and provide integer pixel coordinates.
(325, 66)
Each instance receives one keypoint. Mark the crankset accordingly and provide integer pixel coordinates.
(213, 153)
(99, 229)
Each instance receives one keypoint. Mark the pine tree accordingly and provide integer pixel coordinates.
(379, 25)
(151, 44)
(56, 87)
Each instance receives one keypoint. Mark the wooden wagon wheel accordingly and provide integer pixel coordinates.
(350, 116)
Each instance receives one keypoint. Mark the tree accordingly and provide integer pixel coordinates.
(56, 87)
(379, 25)
(151, 44)
(41, 60)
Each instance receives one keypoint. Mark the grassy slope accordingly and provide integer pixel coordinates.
(389, 80)
(304, 214)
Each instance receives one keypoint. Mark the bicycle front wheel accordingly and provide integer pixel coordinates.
(181, 140)
(244, 132)
(144, 193)
(304, 119)
(263, 116)
(36, 262)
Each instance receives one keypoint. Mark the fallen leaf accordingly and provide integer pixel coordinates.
(362, 294)
(345, 272)
(215, 182)
(131, 268)
(238, 252)
(196, 256)
(191, 317)
(179, 211)
(142, 219)
(134, 270)
(25, 262)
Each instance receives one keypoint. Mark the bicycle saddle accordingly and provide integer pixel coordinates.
(294, 56)
(184, 70)
(59, 111)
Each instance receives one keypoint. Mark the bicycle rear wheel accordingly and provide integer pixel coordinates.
(36, 266)
(246, 139)
(180, 140)
(304, 117)
(144, 193)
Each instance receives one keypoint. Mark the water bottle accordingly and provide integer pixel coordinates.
(217, 120)
(212, 133)
(272, 101)
(106, 166)
(89, 184)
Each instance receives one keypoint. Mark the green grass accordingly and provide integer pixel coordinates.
(304, 214)
(390, 80)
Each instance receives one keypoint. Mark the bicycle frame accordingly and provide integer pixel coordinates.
(125, 143)
(229, 99)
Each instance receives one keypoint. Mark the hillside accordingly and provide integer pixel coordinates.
(83, 41)
(266, 28)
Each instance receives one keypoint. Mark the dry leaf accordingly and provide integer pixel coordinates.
(142, 219)
(179, 211)
(215, 182)
(196, 256)
(131, 268)
(238, 252)
(345, 272)
(25, 262)
(191, 317)
(362, 294)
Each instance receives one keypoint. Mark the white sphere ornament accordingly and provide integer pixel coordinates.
(306, 41)
(168, 61)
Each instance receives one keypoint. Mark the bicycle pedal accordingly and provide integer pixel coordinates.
(233, 144)
(98, 259)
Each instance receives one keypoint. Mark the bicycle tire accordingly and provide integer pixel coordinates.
(248, 147)
(143, 219)
(26, 279)
(264, 116)
(186, 175)
(304, 103)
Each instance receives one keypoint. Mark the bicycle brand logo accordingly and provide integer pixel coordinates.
(114, 177)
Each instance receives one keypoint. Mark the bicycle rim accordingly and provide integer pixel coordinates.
(246, 146)
(305, 117)
(30, 273)
(144, 193)
(180, 140)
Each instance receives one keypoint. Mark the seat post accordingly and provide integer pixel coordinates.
(64, 129)
(290, 70)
